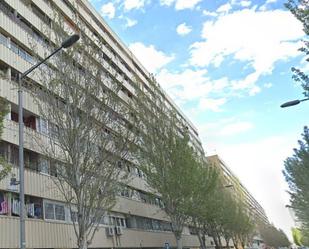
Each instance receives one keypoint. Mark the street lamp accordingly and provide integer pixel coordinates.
(65, 44)
(293, 102)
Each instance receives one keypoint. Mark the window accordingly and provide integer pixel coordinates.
(147, 223)
(44, 166)
(123, 222)
(4, 152)
(59, 212)
(54, 211)
(43, 126)
(104, 220)
(49, 211)
(53, 130)
(14, 47)
(4, 209)
(3, 40)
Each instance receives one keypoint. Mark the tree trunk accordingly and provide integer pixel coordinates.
(83, 244)
(217, 245)
(235, 242)
(219, 240)
(227, 241)
(202, 240)
(179, 242)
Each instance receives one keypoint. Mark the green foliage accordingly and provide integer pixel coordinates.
(167, 159)
(304, 237)
(300, 236)
(300, 9)
(272, 236)
(297, 174)
(219, 211)
(297, 237)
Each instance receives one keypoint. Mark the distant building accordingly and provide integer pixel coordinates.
(252, 204)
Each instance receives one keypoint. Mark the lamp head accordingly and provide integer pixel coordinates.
(70, 41)
(290, 103)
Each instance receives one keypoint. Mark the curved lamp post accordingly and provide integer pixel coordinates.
(293, 102)
(65, 44)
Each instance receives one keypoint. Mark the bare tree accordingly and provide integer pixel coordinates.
(4, 167)
(89, 135)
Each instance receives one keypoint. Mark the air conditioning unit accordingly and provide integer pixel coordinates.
(110, 231)
(119, 230)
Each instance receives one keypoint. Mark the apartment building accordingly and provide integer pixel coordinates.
(254, 208)
(137, 220)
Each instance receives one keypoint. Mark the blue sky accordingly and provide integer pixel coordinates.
(226, 63)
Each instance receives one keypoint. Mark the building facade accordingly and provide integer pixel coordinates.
(253, 206)
(137, 220)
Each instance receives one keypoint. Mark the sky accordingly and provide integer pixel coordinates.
(227, 65)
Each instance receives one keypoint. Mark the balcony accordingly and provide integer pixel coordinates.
(41, 233)
(125, 205)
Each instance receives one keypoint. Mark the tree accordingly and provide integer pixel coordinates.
(89, 135)
(272, 236)
(4, 167)
(166, 157)
(300, 9)
(297, 237)
(219, 212)
(296, 173)
(201, 206)
(243, 228)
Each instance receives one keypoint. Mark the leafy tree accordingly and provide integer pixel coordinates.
(297, 237)
(166, 157)
(206, 182)
(88, 132)
(4, 167)
(296, 173)
(241, 227)
(304, 237)
(219, 212)
(300, 236)
(272, 236)
(300, 9)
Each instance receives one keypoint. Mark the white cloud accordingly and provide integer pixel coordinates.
(167, 2)
(270, 1)
(242, 3)
(181, 4)
(245, 3)
(150, 57)
(133, 4)
(254, 90)
(235, 128)
(209, 13)
(268, 85)
(224, 8)
(258, 38)
(130, 22)
(108, 10)
(303, 65)
(214, 132)
(186, 4)
(191, 84)
(183, 29)
(211, 104)
(185, 85)
(265, 5)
